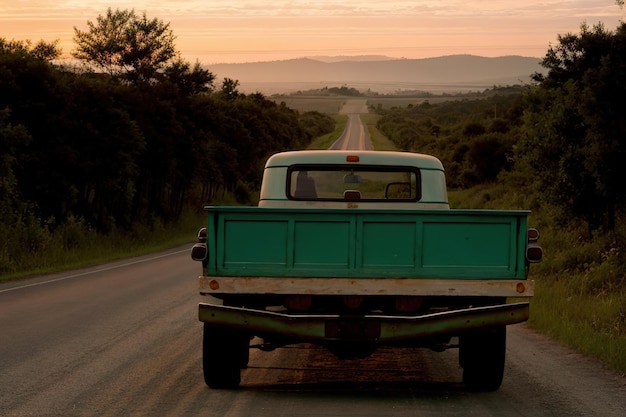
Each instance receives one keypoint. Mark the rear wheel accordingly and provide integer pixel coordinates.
(224, 353)
(481, 355)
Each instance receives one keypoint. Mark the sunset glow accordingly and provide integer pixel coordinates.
(251, 30)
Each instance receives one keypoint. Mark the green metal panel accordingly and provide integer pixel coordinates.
(470, 244)
(323, 244)
(388, 244)
(253, 242)
(211, 262)
(463, 244)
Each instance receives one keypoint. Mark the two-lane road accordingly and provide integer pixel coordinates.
(355, 135)
(123, 340)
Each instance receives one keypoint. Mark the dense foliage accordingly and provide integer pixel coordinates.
(575, 129)
(105, 154)
(474, 138)
(566, 132)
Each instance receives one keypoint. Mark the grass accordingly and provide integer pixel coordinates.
(388, 102)
(322, 104)
(325, 141)
(580, 294)
(379, 141)
(58, 253)
(594, 324)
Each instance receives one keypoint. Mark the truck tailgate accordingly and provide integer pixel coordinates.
(437, 244)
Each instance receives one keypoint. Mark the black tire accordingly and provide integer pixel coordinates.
(224, 353)
(481, 355)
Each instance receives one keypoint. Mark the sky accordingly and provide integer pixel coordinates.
(223, 31)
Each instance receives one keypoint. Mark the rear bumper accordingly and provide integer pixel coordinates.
(373, 328)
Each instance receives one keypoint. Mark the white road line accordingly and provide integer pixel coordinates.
(91, 272)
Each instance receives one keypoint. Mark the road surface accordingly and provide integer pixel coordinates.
(355, 135)
(123, 339)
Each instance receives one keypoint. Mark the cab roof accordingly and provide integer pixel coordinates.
(388, 158)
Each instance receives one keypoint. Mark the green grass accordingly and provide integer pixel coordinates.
(325, 141)
(389, 102)
(593, 324)
(580, 294)
(75, 246)
(379, 141)
(322, 104)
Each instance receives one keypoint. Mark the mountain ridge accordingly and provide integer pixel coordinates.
(402, 73)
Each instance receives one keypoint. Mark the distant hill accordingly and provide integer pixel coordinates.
(446, 72)
(358, 58)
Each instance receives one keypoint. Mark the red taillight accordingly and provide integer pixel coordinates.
(408, 304)
(298, 302)
(534, 253)
(353, 301)
(199, 251)
(352, 158)
(202, 235)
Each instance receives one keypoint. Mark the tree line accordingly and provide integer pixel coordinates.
(130, 145)
(472, 137)
(565, 133)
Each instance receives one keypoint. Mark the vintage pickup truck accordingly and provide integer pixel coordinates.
(357, 249)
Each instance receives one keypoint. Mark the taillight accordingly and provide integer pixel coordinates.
(408, 304)
(298, 302)
(202, 235)
(199, 251)
(353, 301)
(534, 252)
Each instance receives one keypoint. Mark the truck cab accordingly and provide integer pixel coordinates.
(354, 179)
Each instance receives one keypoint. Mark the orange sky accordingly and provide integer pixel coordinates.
(219, 31)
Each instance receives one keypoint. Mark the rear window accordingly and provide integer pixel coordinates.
(350, 182)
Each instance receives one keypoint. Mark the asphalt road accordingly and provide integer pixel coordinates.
(123, 339)
(355, 134)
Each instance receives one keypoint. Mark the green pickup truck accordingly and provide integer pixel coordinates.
(353, 250)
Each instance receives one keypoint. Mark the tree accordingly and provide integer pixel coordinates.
(230, 89)
(189, 81)
(12, 141)
(124, 44)
(574, 132)
(45, 51)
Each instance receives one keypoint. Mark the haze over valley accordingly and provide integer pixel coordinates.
(446, 74)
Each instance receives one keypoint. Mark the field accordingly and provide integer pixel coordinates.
(332, 104)
(328, 105)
